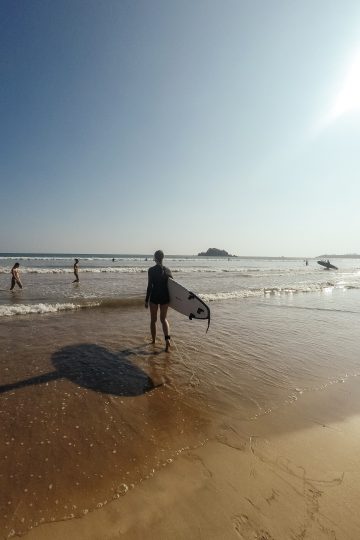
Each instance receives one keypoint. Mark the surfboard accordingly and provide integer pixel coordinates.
(187, 303)
(327, 265)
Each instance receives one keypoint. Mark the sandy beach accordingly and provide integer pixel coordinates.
(291, 474)
(250, 431)
(179, 270)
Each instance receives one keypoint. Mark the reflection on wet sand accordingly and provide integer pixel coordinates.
(85, 432)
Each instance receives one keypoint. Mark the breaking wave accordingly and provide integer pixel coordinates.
(114, 270)
(267, 291)
(44, 308)
(240, 272)
(95, 302)
(27, 309)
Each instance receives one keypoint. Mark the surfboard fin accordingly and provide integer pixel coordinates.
(192, 316)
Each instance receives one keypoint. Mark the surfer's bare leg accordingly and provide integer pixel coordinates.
(165, 325)
(153, 315)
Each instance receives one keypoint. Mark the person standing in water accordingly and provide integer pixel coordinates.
(15, 276)
(157, 294)
(76, 271)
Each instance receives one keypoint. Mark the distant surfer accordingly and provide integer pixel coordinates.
(157, 294)
(327, 265)
(15, 276)
(76, 271)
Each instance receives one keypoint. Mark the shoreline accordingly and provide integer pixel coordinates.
(280, 476)
(245, 432)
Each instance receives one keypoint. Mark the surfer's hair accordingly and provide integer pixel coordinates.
(158, 256)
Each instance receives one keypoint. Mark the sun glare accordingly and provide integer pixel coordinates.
(348, 99)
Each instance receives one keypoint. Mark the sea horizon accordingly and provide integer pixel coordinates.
(111, 255)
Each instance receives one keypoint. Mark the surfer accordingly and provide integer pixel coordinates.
(76, 271)
(15, 276)
(157, 294)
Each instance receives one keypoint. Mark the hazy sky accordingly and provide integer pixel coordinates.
(129, 126)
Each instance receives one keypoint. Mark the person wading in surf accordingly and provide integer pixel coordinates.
(158, 295)
(76, 271)
(15, 277)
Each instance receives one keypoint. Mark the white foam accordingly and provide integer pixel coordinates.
(248, 293)
(27, 309)
(245, 293)
(111, 270)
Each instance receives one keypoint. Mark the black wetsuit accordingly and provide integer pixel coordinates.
(157, 290)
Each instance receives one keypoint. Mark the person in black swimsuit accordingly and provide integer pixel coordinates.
(76, 271)
(158, 295)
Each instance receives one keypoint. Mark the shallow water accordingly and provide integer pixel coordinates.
(85, 415)
(48, 280)
(89, 409)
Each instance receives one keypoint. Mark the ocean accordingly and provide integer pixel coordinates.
(89, 409)
(48, 280)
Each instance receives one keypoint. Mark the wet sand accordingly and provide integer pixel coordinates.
(83, 423)
(104, 436)
(291, 474)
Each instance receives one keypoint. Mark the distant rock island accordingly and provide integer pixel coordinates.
(215, 252)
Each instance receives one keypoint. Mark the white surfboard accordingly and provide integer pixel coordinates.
(187, 303)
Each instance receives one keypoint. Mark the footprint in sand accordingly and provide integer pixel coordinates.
(246, 530)
(240, 523)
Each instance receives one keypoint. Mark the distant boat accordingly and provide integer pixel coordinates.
(327, 265)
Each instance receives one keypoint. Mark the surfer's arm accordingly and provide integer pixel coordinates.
(148, 290)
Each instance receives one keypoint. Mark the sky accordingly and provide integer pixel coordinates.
(129, 126)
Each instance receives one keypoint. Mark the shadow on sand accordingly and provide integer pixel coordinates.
(96, 368)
